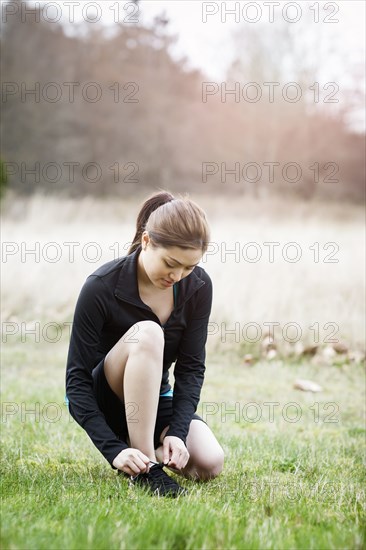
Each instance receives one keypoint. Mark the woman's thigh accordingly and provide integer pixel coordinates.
(109, 403)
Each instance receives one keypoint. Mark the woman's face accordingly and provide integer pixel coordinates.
(163, 267)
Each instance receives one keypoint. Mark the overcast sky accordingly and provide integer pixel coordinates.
(208, 45)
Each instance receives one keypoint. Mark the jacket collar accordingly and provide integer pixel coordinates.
(127, 287)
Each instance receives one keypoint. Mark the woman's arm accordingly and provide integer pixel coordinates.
(90, 315)
(190, 365)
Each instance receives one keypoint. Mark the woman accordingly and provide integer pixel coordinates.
(133, 318)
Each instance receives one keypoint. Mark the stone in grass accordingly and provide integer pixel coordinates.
(328, 353)
(340, 347)
(310, 351)
(248, 359)
(325, 356)
(271, 354)
(307, 385)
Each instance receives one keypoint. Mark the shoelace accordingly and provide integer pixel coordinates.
(160, 464)
(121, 472)
(158, 479)
(166, 481)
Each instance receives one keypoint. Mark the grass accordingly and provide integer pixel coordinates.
(285, 484)
(306, 292)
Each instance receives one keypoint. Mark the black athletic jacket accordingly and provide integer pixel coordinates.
(108, 305)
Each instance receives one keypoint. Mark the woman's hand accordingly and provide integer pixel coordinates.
(174, 452)
(132, 461)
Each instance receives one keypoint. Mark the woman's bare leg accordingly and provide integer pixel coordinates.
(133, 369)
(206, 459)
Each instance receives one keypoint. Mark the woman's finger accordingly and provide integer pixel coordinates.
(175, 458)
(183, 458)
(143, 457)
(166, 451)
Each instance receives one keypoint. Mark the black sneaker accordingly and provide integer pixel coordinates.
(158, 482)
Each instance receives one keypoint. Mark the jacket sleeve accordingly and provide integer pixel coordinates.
(90, 315)
(189, 368)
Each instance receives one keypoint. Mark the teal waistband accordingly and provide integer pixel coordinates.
(169, 393)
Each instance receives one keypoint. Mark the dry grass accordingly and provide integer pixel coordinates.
(305, 292)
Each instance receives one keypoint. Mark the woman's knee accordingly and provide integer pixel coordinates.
(144, 339)
(144, 336)
(148, 337)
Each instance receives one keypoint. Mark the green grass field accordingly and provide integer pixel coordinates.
(293, 478)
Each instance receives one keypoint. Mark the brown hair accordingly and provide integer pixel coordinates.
(172, 222)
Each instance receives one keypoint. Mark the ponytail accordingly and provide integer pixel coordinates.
(148, 207)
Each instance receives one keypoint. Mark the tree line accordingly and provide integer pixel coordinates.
(106, 113)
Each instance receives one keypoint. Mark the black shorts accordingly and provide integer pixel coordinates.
(114, 409)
